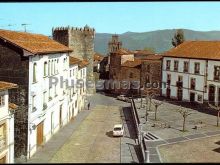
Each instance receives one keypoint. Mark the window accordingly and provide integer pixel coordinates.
(148, 68)
(176, 63)
(131, 75)
(197, 67)
(52, 68)
(193, 83)
(70, 73)
(168, 79)
(34, 72)
(44, 97)
(2, 100)
(49, 68)
(45, 69)
(76, 104)
(33, 104)
(216, 73)
(186, 66)
(180, 81)
(199, 97)
(50, 98)
(168, 65)
(73, 72)
(180, 78)
(57, 66)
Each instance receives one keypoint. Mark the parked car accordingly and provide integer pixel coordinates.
(118, 130)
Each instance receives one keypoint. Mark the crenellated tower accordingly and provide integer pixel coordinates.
(81, 40)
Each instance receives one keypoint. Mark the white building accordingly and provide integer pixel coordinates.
(191, 72)
(6, 124)
(31, 61)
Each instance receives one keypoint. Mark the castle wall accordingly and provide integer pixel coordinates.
(81, 40)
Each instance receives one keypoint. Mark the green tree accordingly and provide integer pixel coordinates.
(178, 38)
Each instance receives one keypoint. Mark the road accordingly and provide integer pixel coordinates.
(91, 141)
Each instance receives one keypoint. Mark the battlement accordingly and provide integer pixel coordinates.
(68, 28)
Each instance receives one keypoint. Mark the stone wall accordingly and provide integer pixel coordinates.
(14, 69)
(152, 69)
(81, 40)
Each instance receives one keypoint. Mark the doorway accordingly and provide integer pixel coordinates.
(40, 134)
(192, 97)
(168, 92)
(179, 94)
(212, 94)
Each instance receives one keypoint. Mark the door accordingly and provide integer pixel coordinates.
(168, 92)
(60, 117)
(212, 94)
(40, 134)
(3, 160)
(179, 94)
(192, 97)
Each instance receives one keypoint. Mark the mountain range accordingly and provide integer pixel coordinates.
(159, 40)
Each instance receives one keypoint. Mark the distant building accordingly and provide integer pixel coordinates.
(96, 62)
(191, 72)
(6, 124)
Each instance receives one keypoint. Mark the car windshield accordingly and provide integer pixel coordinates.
(117, 129)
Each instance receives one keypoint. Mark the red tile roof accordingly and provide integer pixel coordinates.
(73, 60)
(132, 64)
(34, 43)
(143, 52)
(6, 85)
(98, 57)
(196, 49)
(153, 57)
(123, 51)
(83, 63)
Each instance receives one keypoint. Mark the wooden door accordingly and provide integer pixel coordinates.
(3, 160)
(180, 94)
(192, 97)
(168, 92)
(40, 134)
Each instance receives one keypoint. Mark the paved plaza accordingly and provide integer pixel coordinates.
(168, 128)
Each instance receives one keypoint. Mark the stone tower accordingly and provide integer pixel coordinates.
(81, 40)
(114, 44)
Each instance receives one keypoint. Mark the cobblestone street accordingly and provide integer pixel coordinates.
(91, 140)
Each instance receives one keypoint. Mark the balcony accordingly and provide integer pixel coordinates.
(193, 87)
(185, 70)
(168, 68)
(168, 82)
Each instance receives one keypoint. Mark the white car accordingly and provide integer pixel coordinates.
(118, 130)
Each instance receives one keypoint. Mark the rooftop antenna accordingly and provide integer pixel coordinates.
(25, 24)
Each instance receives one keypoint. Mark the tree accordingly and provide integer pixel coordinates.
(178, 38)
(185, 113)
(151, 49)
(217, 108)
(156, 103)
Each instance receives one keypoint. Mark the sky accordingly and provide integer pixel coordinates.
(111, 17)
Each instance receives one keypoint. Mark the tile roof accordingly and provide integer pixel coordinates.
(12, 106)
(98, 57)
(83, 63)
(123, 51)
(196, 49)
(6, 85)
(34, 43)
(131, 64)
(143, 52)
(73, 60)
(153, 57)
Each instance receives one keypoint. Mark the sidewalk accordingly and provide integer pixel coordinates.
(44, 154)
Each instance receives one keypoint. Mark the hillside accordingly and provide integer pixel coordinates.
(160, 40)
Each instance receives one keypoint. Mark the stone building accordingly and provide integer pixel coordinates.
(6, 124)
(30, 60)
(81, 40)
